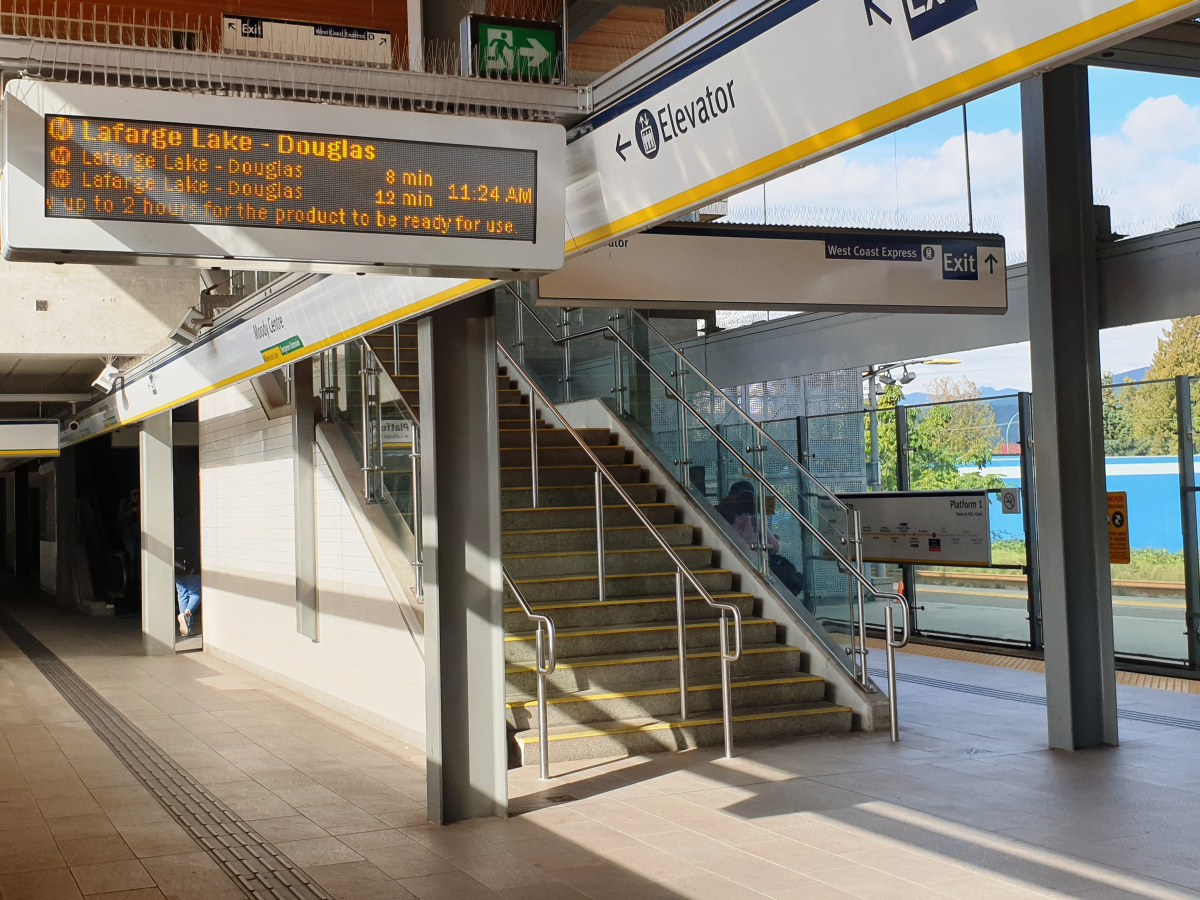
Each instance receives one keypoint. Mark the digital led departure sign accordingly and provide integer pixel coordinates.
(168, 172)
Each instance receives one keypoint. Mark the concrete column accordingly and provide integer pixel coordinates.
(466, 743)
(1068, 426)
(156, 482)
(303, 437)
(65, 520)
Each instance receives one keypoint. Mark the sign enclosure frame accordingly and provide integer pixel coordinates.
(30, 236)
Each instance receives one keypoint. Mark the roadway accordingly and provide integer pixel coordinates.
(1143, 626)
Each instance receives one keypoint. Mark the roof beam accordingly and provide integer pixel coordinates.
(1172, 50)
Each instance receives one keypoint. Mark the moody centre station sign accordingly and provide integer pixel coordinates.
(112, 175)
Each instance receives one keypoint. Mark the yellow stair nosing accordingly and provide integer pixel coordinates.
(592, 552)
(545, 487)
(591, 663)
(607, 578)
(657, 692)
(672, 724)
(637, 628)
(625, 601)
(638, 527)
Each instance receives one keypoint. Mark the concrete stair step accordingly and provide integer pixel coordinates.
(650, 735)
(624, 610)
(661, 700)
(604, 640)
(585, 587)
(513, 397)
(616, 562)
(620, 670)
(575, 494)
(555, 437)
(609, 454)
(518, 411)
(554, 476)
(549, 517)
(559, 540)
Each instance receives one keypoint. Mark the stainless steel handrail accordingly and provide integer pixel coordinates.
(545, 663)
(727, 658)
(891, 645)
(852, 568)
(694, 371)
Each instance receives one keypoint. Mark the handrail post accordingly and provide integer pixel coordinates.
(533, 450)
(418, 563)
(367, 461)
(543, 717)
(891, 670)
(681, 624)
(726, 693)
(600, 532)
(864, 677)
(396, 349)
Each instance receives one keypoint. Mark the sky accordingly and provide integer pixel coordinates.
(1146, 167)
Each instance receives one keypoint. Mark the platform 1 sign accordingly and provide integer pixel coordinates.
(948, 528)
(711, 266)
(104, 175)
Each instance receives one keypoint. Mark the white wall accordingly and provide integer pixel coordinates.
(365, 663)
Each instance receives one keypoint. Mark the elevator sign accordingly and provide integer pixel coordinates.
(187, 176)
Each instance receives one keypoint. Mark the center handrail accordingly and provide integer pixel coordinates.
(546, 661)
(682, 571)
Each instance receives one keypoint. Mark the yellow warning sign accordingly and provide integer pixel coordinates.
(1118, 528)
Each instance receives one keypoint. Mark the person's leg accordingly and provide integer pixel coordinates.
(181, 595)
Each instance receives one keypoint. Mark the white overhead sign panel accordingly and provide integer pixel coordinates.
(949, 528)
(249, 36)
(807, 79)
(767, 267)
(114, 175)
(28, 437)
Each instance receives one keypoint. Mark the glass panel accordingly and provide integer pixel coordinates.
(1142, 459)
(712, 448)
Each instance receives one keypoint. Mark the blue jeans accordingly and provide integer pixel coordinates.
(187, 588)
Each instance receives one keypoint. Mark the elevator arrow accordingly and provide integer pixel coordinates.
(621, 148)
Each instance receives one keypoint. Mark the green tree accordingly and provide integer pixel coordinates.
(1150, 408)
(943, 438)
(1119, 437)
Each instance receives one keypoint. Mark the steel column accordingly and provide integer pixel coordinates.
(1187, 511)
(1029, 514)
(156, 487)
(1071, 506)
(304, 493)
(904, 483)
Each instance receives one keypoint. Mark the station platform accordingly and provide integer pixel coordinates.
(186, 777)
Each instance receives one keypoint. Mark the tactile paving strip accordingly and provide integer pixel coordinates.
(256, 865)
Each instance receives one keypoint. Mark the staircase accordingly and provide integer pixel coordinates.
(615, 690)
(405, 378)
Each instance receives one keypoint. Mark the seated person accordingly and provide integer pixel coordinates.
(187, 591)
(740, 509)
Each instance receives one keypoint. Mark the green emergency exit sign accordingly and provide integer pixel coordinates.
(515, 49)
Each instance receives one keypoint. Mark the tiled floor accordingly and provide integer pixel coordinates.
(969, 806)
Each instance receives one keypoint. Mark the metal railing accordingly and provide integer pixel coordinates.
(610, 333)
(681, 569)
(546, 661)
(853, 568)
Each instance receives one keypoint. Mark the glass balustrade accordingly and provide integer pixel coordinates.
(711, 447)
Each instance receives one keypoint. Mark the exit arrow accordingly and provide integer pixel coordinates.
(232, 26)
(536, 52)
(991, 261)
(873, 7)
(621, 148)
